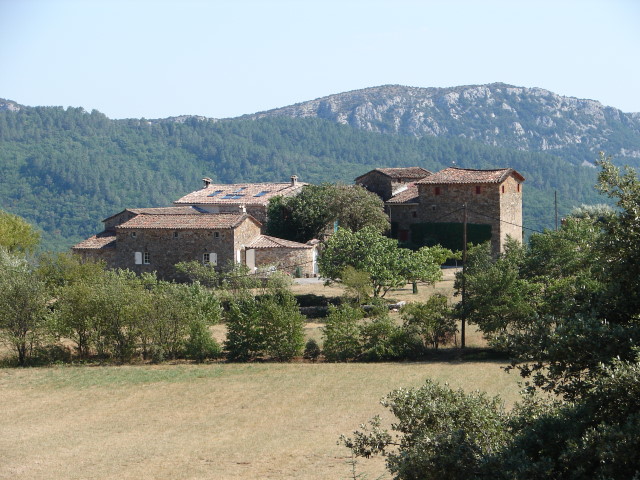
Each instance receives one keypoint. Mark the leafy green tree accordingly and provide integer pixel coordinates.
(341, 333)
(268, 326)
(440, 433)
(387, 265)
(16, 234)
(24, 301)
(316, 209)
(432, 321)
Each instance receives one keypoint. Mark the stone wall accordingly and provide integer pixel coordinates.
(511, 211)
(486, 204)
(286, 259)
(377, 183)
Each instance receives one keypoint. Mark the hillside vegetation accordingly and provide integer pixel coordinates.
(65, 170)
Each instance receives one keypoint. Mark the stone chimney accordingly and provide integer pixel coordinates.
(207, 181)
(294, 180)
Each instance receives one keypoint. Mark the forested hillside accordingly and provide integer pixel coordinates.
(66, 169)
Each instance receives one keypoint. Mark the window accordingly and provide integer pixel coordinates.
(216, 234)
(502, 188)
(145, 258)
(414, 214)
(133, 234)
(518, 187)
(137, 258)
(210, 258)
(437, 191)
(478, 189)
(233, 196)
(175, 234)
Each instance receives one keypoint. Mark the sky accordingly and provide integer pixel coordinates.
(225, 58)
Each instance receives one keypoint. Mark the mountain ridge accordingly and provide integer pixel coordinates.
(499, 114)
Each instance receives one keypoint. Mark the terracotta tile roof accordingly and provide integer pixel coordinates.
(186, 210)
(415, 173)
(239, 193)
(101, 240)
(183, 210)
(202, 221)
(264, 241)
(410, 195)
(464, 175)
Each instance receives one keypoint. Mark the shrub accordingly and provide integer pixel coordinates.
(201, 345)
(311, 350)
(341, 334)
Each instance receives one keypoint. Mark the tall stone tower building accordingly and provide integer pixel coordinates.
(491, 197)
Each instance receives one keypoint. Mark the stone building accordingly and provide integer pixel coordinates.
(251, 198)
(387, 182)
(492, 197)
(155, 239)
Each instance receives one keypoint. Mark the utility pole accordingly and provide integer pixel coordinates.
(555, 202)
(464, 268)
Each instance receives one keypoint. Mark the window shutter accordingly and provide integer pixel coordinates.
(137, 258)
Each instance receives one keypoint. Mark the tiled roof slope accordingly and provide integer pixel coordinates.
(410, 195)
(401, 172)
(96, 242)
(463, 175)
(182, 210)
(264, 241)
(239, 193)
(186, 222)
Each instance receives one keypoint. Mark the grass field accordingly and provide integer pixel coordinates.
(220, 421)
(215, 421)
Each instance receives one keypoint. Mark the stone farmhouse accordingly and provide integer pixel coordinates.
(207, 226)
(492, 197)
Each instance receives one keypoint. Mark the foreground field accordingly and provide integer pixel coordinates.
(220, 421)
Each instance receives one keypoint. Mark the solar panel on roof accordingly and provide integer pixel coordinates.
(262, 193)
(214, 193)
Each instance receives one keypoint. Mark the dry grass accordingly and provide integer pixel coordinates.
(268, 421)
(222, 421)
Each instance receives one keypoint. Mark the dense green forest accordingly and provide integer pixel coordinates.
(65, 170)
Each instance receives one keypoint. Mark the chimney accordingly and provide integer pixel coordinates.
(294, 180)
(207, 181)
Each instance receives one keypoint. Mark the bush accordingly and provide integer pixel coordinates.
(341, 334)
(201, 345)
(270, 326)
(311, 350)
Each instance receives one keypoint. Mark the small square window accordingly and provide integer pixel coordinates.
(478, 189)
(437, 191)
(145, 258)
(175, 234)
(414, 214)
(216, 234)
(133, 234)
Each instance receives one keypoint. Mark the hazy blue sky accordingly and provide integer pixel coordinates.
(224, 58)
